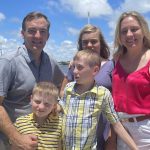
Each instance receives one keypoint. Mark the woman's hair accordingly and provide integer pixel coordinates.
(92, 58)
(45, 89)
(121, 49)
(104, 51)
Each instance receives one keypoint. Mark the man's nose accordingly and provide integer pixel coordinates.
(37, 34)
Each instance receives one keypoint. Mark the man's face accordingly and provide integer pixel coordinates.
(42, 105)
(36, 35)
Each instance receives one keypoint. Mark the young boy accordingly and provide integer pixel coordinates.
(42, 122)
(82, 104)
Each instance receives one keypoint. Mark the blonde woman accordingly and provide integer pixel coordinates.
(131, 78)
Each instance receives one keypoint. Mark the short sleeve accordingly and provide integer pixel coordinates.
(108, 108)
(5, 76)
(58, 75)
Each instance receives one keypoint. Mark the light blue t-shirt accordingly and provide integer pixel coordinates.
(18, 75)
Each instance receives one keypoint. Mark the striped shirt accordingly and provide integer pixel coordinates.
(49, 133)
(81, 114)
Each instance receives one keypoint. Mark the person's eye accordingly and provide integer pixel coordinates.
(84, 42)
(31, 31)
(79, 67)
(37, 102)
(47, 104)
(94, 41)
(134, 29)
(124, 31)
(43, 31)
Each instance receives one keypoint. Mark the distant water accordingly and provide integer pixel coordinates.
(64, 68)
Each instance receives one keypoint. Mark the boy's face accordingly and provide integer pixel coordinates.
(83, 73)
(42, 105)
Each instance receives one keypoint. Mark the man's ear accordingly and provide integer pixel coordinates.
(95, 70)
(48, 36)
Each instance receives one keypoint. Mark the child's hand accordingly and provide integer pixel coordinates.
(71, 63)
(57, 109)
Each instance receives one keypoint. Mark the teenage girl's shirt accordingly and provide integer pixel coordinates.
(131, 91)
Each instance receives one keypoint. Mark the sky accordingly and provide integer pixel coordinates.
(67, 18)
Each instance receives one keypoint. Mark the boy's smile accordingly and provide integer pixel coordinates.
(42, 105)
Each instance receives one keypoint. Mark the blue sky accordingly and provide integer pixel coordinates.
(67, 17)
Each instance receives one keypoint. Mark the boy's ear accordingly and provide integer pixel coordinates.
(95, 70)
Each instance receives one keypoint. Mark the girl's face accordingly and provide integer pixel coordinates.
(91, 41)
(131, 34)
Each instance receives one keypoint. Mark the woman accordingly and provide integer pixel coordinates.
(91, 38)
(131, 78)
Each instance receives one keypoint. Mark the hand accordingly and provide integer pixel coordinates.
(57, 109)
(25, 142)
(71, 64)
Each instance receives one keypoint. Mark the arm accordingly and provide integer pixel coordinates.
(65, 81)
(122, 133)
(60, 145)
(111, 142)
(24, 142)
(108, 108)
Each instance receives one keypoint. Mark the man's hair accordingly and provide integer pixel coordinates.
(92, 58)
(104, 50)
(34, 15)
(46, 89)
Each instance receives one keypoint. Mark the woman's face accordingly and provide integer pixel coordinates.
(91, 41)
(131, 34)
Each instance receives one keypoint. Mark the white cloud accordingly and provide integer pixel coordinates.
(2, 16)
(73, 31)
(63, 51)
(53, 5)
(142, 7)
(8, 45)
(16, 20)
(2, 40)
(82, 7)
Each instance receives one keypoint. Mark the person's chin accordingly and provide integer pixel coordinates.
(39, 114)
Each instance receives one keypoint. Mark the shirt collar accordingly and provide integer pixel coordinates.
(29, 56)
(72, 89)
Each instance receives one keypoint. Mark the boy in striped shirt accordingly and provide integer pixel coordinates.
(42, 122)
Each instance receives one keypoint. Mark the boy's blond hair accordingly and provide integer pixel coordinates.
(46, 89)
(92, 58)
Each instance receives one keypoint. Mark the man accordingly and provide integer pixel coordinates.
(19, 72)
